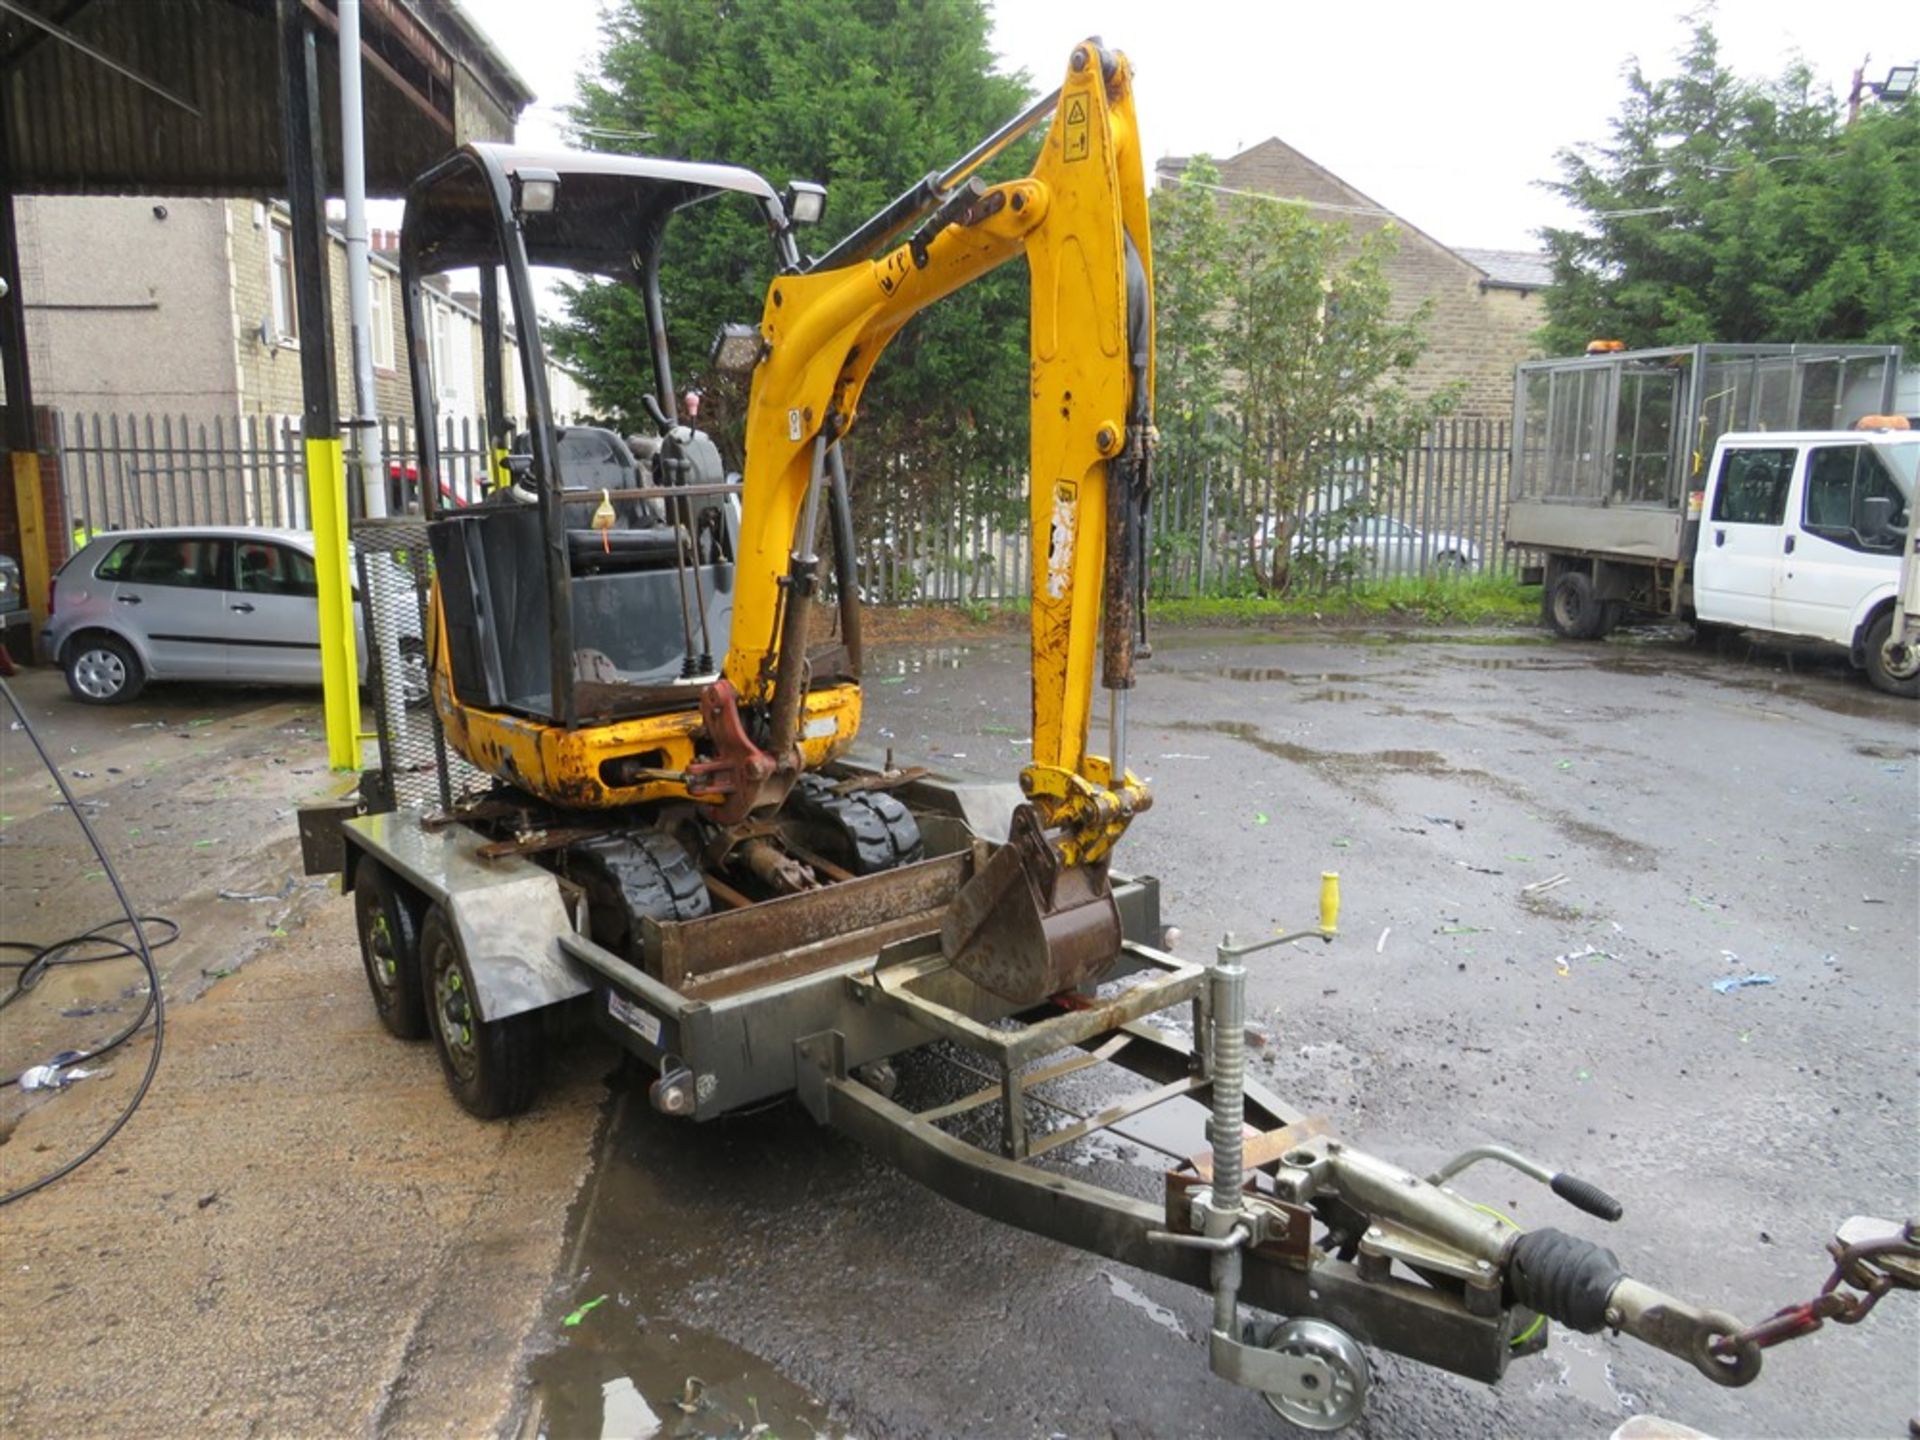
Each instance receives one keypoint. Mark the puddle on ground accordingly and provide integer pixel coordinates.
(1355, 770)
(1145, 1303)
(920, 662)
(1517, 662)
(1266, 673)
(644, 1256)
(622, 1368)
(1334, 764)
(647, 1242)
(1587, 1371)
(1887, 752)
(1230, 637)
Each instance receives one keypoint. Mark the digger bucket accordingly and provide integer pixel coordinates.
(1026, 926)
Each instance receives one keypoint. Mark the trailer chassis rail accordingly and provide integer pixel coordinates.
(1408, 1319)
(1281, 1216)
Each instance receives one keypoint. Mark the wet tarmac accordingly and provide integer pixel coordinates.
(1714, 813)
(297, 1233)
(192, 791)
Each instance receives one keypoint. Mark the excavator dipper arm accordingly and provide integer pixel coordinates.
(1080, 219)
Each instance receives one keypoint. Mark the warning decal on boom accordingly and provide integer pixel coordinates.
(1075, 138)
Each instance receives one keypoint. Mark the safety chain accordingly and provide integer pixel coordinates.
(1855, 1267)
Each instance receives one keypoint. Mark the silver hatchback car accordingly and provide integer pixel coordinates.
(196, 603)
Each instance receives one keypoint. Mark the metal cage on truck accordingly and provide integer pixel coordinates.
(1630, 432)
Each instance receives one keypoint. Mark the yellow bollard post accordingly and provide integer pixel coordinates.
(36, 564)
(1330, 902)
(339, 645)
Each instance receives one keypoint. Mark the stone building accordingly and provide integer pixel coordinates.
(1486, 303)
(184, 308)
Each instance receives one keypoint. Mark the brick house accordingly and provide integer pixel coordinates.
(1486, 303)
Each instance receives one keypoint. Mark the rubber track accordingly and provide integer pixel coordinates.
(653, 873)
(880, 831)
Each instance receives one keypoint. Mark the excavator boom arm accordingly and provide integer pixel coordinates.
(1080, 219)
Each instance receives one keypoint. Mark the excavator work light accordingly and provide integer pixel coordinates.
(535, 191)
(806, 202)
(737, 349)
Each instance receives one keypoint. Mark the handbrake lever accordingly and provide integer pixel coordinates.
(1581, 1194)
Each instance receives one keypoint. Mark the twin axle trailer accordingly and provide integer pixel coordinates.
(1311, 1249)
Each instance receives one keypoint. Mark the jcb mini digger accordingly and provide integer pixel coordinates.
(642, 801)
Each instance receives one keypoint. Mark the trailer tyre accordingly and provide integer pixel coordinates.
(1573, 610)
(1878, 634)
(492, 1066)
(387, 916)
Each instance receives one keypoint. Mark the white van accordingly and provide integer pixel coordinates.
(1805, 534)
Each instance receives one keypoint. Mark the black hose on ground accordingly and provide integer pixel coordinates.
(107, 947)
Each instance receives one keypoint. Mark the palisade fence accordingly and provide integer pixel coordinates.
(1214, 528)
(131, 472)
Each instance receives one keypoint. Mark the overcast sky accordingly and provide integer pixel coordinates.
(1445, 114)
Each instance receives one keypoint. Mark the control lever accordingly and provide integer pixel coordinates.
(1227, 950)
(1581, 1194)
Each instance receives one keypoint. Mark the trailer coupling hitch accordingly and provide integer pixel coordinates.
(1581, 1285)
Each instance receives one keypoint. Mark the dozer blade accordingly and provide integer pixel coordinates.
(1026, 926)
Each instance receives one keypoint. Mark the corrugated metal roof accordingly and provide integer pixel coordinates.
(75, 126)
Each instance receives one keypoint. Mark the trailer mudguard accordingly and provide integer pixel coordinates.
(507, 911)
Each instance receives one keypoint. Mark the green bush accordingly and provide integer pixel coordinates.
(1470, 600)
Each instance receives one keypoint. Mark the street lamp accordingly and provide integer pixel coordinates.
(1899, 83)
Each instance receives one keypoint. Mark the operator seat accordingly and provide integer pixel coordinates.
(591, 460)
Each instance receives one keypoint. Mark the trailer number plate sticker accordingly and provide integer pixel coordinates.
(643, 1023)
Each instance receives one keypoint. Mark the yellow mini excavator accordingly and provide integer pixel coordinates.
(644, 809)
(625, 644)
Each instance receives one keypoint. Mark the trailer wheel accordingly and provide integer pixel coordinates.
(492, 1066)
(1573, 610)
(388, 919)
(1878, 634)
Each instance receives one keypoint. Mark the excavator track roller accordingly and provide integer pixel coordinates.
(642, 873)
(867, 831)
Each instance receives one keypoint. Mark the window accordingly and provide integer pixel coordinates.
(381, 290)
(264, 568)
(115, 565)
(1841, 481)
(1753, 487)
(442, 349)
(195, 562)
(286, 316)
